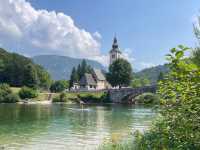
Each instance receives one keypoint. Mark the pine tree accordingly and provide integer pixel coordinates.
(73, 77)
(79, 72)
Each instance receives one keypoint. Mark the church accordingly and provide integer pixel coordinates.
(115, 52)
(97, 80)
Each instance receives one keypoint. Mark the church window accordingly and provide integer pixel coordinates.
(113, 56)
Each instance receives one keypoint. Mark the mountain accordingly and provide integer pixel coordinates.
(152, 73)
(60, 67)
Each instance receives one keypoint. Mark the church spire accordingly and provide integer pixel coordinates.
(115, 44)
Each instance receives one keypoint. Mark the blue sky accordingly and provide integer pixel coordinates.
(146, 29)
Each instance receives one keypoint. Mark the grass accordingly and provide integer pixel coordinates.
(15, 90)
(88, 97)
(92, 96)
(117, 143)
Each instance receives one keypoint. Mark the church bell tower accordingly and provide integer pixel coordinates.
(115, 52)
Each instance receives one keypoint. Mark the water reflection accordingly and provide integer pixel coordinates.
(62, 126)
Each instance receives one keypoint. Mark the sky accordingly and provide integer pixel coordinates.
(145, 29)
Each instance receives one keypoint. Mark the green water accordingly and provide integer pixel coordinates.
(61, 127)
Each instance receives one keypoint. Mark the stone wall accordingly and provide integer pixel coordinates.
(117, 95)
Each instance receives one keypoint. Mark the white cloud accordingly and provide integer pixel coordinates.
(128, 55)
(97, 35)
(43, 32)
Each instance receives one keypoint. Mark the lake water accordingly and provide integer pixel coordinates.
(71, 127)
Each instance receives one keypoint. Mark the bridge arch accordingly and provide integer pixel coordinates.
(120, 95)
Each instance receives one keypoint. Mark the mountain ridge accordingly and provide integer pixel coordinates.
(60, 67)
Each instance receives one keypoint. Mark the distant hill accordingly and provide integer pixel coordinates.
(60, 67)
(152, 73)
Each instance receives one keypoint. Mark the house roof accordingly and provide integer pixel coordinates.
(99, 75)
(87, 79)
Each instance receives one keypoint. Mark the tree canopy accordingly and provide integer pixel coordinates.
(17, 70)
(76, 74)
(120, 73)
(59, 86)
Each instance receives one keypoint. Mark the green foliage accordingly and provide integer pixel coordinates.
(28, 93)
(61, 98)
(152, 74)
(17, 70)
(117, 146)
(147, 98)
(44, 78)
(76, 74)
(196, 56)
(178, 126)
(120, 73)
(73, 78)
(135, 83)
(31, 76)
(160, 76)
(6, 95)
(139, 82)
(97, 97)
(59, 86)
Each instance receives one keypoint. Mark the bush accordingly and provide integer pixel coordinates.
(26, 92)
(94, 97)
(59, 86)
(61, 98)
(11, 98)
(178, 127)
(6, 95)
(147, 98)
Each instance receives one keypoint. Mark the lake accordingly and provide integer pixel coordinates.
(71, 127)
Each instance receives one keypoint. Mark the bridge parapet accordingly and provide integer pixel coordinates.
(117, 95)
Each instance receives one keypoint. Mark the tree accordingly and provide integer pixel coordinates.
(31, 77)
(6, 94)
(79, 72)
(59, 86)
(26, 93)
(160, 76)
(73, 77)
(145, 82)
(120, 73)
(44, 78)
(136, 83)
(196, 51)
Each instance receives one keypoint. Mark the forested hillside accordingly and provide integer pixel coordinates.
(153, 73)
(18, 70)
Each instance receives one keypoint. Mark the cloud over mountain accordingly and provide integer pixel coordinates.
(43, 32)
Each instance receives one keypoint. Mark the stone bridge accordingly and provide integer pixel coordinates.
(125, 95)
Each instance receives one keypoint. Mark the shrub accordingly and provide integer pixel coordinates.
(94, 97)
(147, 98)
(6, 95)
(11, 98)
(61, 98)
(26, 92)
(178, 127)
(59, 86)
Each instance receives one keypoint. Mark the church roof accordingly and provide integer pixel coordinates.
(87, 79)
(99, 75)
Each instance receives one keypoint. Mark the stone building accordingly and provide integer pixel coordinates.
(94, 81)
